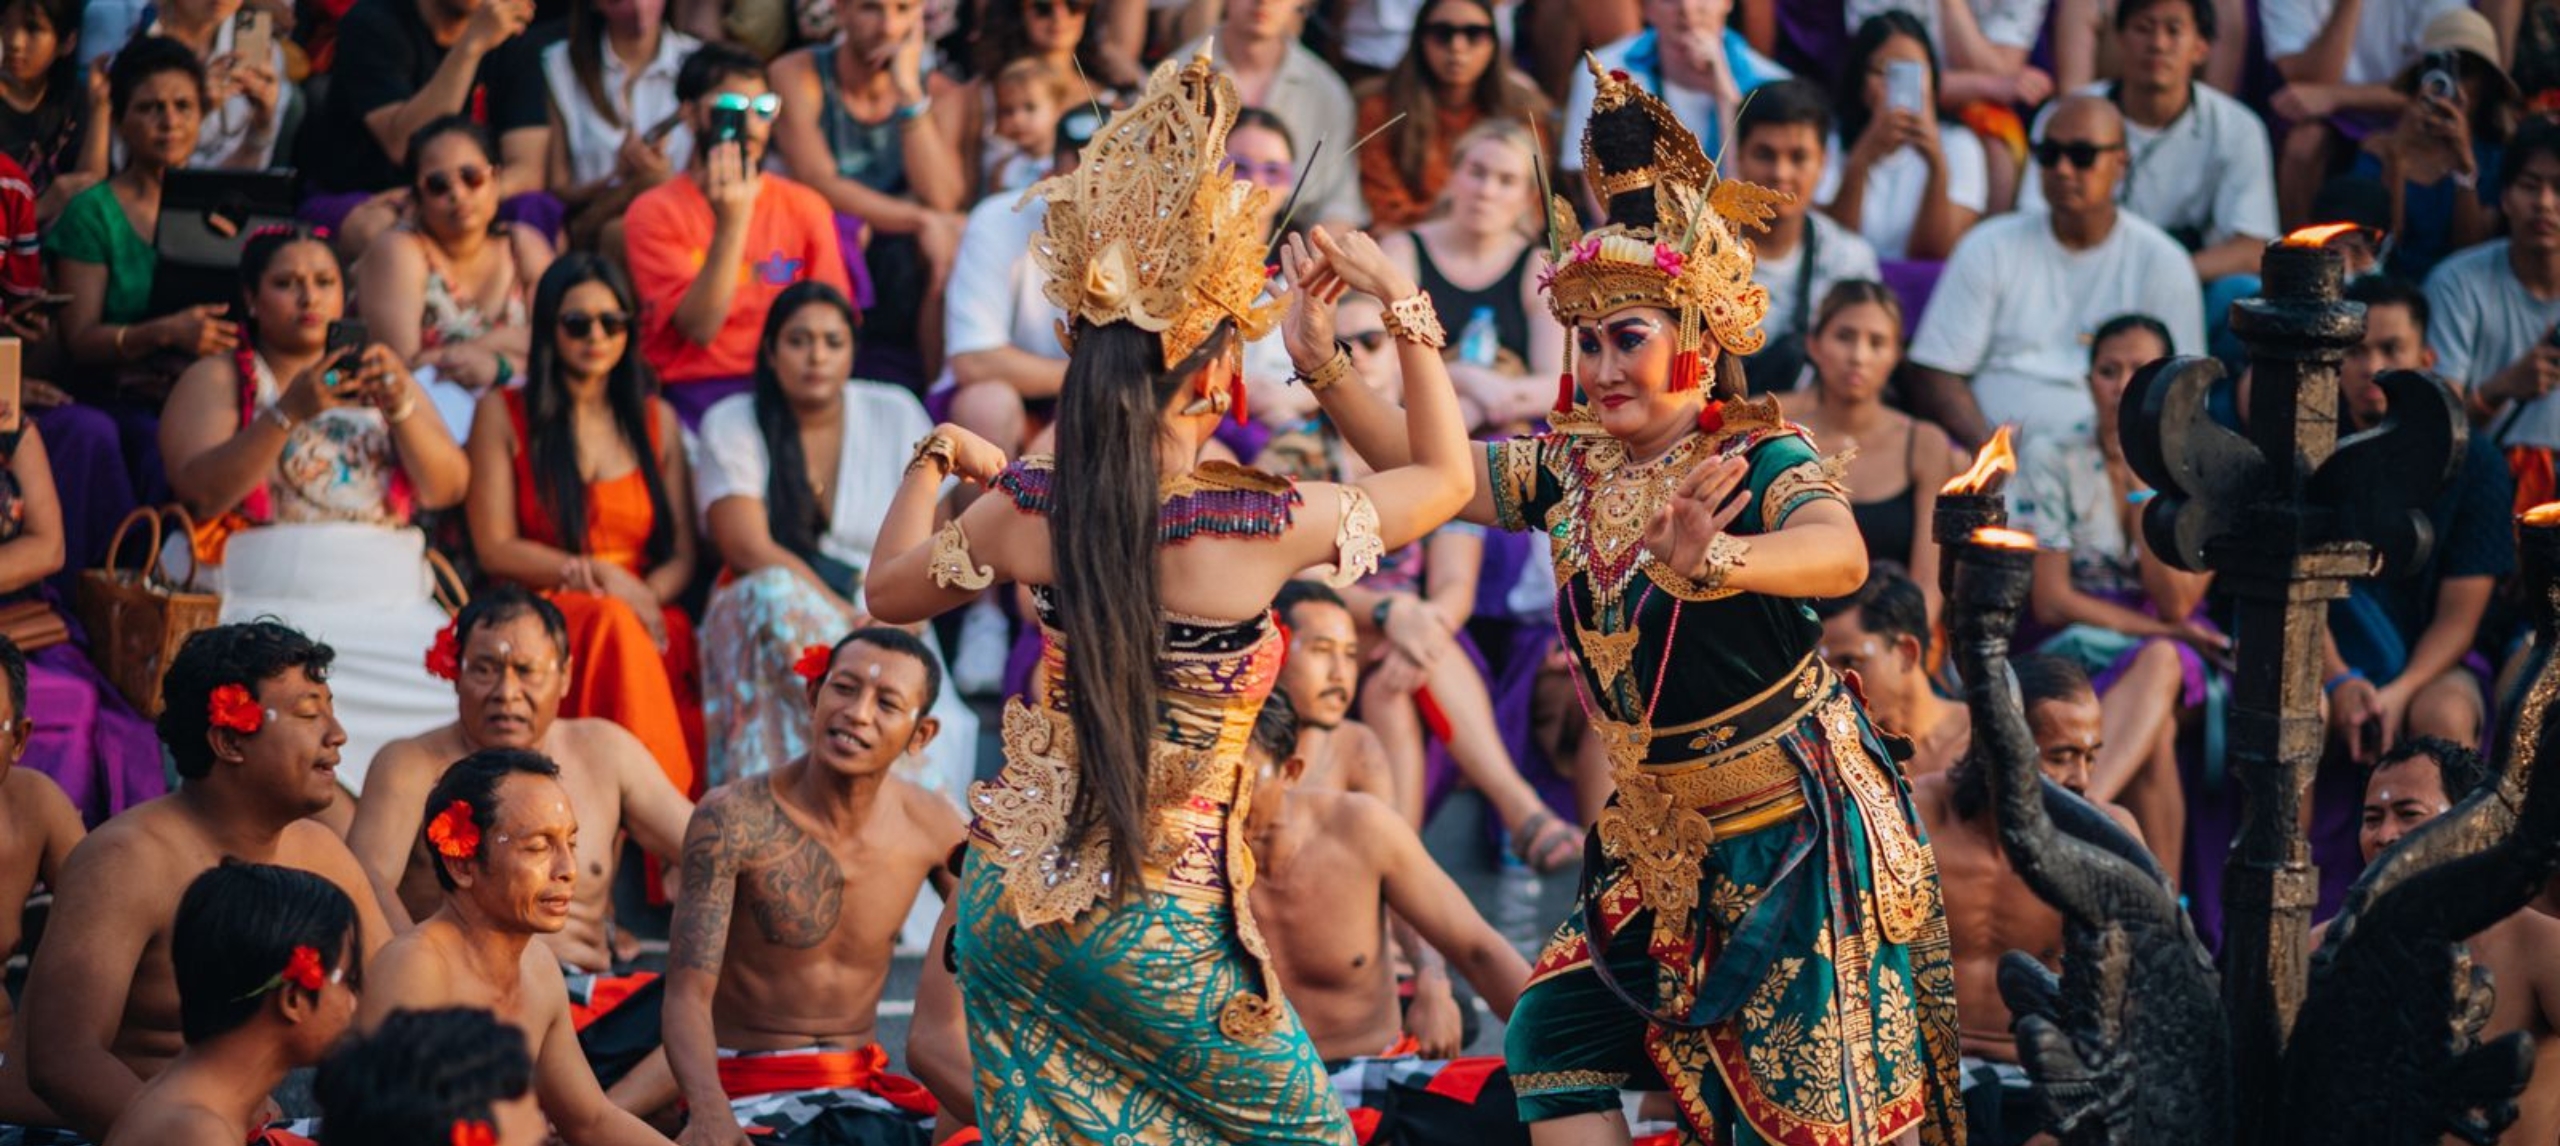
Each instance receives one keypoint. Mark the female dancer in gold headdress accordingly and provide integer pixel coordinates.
(1115, 987)
(1760, 931)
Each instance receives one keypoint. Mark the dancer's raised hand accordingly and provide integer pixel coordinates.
(1706, 502)
(1355, 257)
(1314, 291)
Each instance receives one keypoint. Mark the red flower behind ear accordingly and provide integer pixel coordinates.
(814, 662)
(473, 1132)
(453, 833)
(1286, 636)
(232, 707)
(444, 658)
(303, 970)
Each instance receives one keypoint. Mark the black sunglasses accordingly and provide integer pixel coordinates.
(1049, 9)
(472, 175)
(2081, 153)
(1444, 34)
(582, 325)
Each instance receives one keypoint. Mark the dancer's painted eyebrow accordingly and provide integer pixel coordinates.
(1623, 325)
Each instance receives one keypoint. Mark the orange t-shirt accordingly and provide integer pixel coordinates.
(792, 236)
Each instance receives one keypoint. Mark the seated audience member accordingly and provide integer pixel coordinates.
(755, 1011)
(509, 667)
(101, 245)
(399, 66)
(710, 250)
(579, 489)
(305, 465)
(1256, 43)
(246, 99)
(938, 1034)
(2175, 128)
(38, 824)
(2493, 309)
(2336, 61)
(54, 114)
(1262, 151)
(1330, 867)
(2005, 337)
(1882, 634)
(267, 962)
(2419, 780)
(2087, 49)
(426, 1078)
(1480, 257)
(1004, 361)
(1990, 911)
(2126, 618)
(854, 129)
(1011, 32)
(447, 289)
(2401, 660)
(2437, 158)
(505, 837)
(247, 721)
(1854, 343)
(1686, 54)
(1321, 673)
(795, 535)
(616, 126)
(1029, 96)
(1907, 181)
(1778, 142)
(1451, 77)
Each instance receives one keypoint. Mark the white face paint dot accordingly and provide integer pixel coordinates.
(875, 672)
(506, 648)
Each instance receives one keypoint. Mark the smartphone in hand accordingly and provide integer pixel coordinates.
(347, 334)
(728, 125)
(12, 412)
(1905, 85)
(253, 37)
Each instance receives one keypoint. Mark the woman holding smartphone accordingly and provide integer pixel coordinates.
(1909, 183)
(303, 463)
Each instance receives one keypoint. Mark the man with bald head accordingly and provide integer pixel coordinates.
(2007, 332)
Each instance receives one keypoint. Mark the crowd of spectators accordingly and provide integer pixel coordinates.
(651, 300)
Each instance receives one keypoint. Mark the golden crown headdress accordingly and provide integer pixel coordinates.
(1149, 229)
(1673, 236)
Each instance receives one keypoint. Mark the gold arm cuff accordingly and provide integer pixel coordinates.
(936, 447)
(1325, 377)
(951, 566)
(1413, 319)
(1724, 555)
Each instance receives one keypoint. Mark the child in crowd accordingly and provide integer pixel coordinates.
(1030, 96)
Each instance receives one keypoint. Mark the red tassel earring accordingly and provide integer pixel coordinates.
(1564, 394)
(1235, 396)
(1686, 369)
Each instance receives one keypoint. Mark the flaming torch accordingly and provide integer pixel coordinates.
(2538, 560)
(1972, 501)
(1988, 573)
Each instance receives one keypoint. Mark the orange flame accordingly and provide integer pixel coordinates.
(2545, 514)
(1994, 537)
(1995, 463)
(2318, 236)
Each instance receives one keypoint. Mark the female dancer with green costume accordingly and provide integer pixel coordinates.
(1115, 987)
(1759, 928)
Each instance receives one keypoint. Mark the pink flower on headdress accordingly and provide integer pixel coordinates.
(1586, 250)
(1669, 260)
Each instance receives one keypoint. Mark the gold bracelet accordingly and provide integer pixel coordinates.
(1724, 555)
(121, 331)
(936, 447)
(407, 407)
(1324, 377)
(1413, 320)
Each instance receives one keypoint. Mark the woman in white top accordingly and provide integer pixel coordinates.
(796, 476)
(304, 468)
(1909, 183)
(614, 128)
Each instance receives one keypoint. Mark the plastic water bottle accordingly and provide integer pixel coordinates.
(1480, 344)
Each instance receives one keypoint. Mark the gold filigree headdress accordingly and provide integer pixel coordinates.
(1679, 248)
(1149, 230)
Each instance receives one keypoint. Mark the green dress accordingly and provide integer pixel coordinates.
(1773, 950)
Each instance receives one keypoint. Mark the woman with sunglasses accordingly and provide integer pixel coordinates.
(579, 490)
(1476, 258)
(1452, 77)
(1050, 31)
(447, 289)
(796, 477)
(304, 468)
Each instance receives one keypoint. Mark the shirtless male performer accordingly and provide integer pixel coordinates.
(1321, 672)
(506, 854)
(267, 975)
(1881, 633)
(1330, 865)
(38, 825)
(1990, 911)
(510, 671)
(247, 719)
(795, 885)
(2417, 782)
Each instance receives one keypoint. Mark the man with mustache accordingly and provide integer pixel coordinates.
(504, 838)
(247, 720)
(510, 669)
(1322, 678)
(796, 883)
